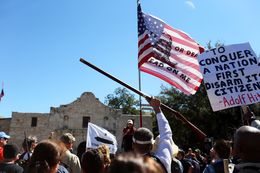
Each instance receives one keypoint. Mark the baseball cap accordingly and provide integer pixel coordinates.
(67, 138)
(4, 135)
(130, 121)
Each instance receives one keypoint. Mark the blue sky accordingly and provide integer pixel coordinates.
(41, 43)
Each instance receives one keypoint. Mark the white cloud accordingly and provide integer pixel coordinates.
(190, 4)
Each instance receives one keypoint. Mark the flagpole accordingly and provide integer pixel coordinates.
(178, 115)
(140, 99)
(139, 80)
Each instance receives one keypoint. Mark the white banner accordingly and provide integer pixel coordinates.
(97, 136)
(231, 76)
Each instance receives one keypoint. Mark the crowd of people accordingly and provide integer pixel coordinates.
(142, 153)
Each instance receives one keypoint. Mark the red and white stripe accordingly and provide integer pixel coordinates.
(186, 64)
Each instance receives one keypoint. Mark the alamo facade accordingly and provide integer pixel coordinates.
(73, 118)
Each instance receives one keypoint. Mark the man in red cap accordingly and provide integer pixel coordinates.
(3, 141)
(128, 132)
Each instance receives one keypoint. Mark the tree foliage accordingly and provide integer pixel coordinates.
(122, 99)
(197, 110)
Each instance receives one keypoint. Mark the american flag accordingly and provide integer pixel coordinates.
(168, 53)
(2, 94)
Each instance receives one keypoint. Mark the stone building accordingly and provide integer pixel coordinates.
(73, 118)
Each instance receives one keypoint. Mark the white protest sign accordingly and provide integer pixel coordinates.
(231, 75)
(97, 136)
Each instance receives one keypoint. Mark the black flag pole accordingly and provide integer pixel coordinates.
(201, 135)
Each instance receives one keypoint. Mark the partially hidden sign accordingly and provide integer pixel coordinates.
(231, 75)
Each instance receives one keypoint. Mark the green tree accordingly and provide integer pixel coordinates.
(196, 108)
(122, 99)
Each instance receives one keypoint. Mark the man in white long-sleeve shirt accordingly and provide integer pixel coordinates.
(143, 139)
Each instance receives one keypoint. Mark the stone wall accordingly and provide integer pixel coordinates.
(5, 124)
(21, 126)
(69, 118)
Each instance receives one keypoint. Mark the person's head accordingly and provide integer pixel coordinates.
(142, 140)
(92, 161)
(130, 163)
(3, 139)
(246, 144)
(51, 135)
(45, 158)
(68, 139)
(189, 151)
(104, 149)
(180, 155)
(197, 152)
(127, 163)
(10, 152)
(29, 143)
(221, 149)
(130, 123)
(81, 149)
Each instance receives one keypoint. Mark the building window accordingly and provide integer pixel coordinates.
(34, 122)
(85, 122)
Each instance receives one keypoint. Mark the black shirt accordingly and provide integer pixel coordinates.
(10, 168)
